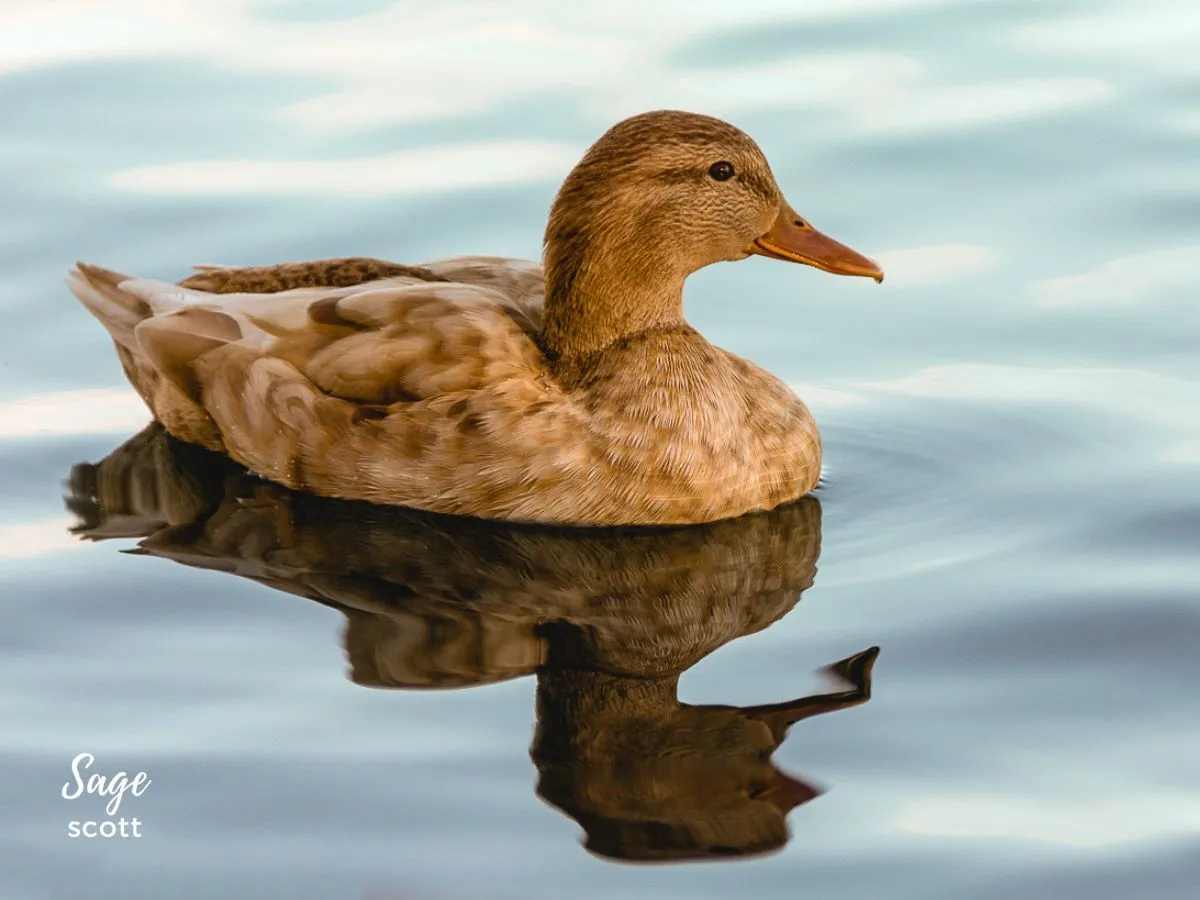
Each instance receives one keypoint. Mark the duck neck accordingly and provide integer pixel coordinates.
(598, 292)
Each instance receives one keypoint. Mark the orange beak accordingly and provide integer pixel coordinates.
(791, 238)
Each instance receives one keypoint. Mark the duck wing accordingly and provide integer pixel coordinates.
(517, 282)
(429, 393)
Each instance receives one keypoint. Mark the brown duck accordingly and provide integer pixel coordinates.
(570, 393)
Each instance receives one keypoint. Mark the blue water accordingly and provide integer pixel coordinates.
(1010, 509)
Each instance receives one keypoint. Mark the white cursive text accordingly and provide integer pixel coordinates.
(114, 786)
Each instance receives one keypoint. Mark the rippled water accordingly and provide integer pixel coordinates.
(1010, 510)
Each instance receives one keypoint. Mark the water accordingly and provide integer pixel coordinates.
(1009, 510)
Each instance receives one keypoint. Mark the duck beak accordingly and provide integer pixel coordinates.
(791, 238)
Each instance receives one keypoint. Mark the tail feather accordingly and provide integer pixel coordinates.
(119, 311)
(159, 333)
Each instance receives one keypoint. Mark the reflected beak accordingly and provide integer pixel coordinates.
(791, 238)
(785, 793)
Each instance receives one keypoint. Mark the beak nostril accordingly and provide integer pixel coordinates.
(800, 223)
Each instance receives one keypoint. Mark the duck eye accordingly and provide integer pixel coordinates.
(721, 171)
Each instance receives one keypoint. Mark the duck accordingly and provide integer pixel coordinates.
(573, 392)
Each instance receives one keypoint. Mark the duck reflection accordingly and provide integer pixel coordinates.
(607, 620)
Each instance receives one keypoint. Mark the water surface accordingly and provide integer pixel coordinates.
(1009, 511)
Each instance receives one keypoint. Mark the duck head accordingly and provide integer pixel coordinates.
(657, 197)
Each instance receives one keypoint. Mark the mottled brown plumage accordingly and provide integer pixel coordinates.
(474, 386)
(607, 619)
(345, 272)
